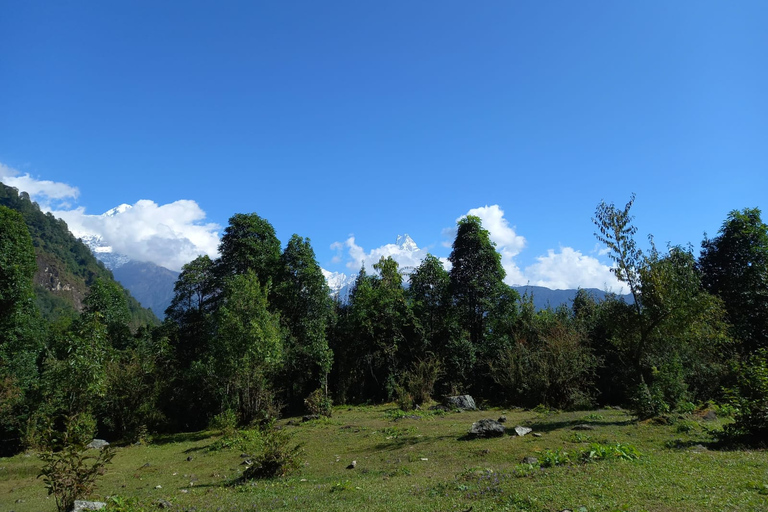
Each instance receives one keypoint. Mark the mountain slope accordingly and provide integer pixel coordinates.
(66, 268)
(151, 284)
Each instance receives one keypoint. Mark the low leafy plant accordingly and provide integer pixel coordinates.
(552, 458)
(248, 441)
(597, 451)
(69, 470)
(277, 457)
(123, 504)
(686, 427)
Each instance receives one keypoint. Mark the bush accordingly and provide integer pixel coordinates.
(67, 471)
(554, 368)
(750, 400)
(319, 403)
(225, 421)
(277, 457)
(420, 380)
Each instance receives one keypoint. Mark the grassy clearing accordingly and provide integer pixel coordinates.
(421, 462)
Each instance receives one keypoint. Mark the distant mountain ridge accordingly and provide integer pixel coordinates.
(151, 284)
(544, 297)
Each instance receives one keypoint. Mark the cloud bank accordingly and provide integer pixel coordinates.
(168, 235)
(566, 268)
(43, 191)
(406, 253)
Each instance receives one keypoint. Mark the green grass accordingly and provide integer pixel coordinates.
(423, 463)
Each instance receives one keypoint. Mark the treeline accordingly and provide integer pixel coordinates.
(256, 332)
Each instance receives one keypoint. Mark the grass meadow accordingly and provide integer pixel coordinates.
(423, 461)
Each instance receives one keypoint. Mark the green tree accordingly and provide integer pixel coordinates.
(735, 268)
(249, 243)
(664, 340)
(247, 348)
(107, 300)
(21, 331)
(189, 315)
(303, 299)
(476, 277)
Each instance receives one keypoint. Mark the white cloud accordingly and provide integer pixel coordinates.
(570, 268)
(405, 254)
(566, 269)
(169, 235)
(43, 191)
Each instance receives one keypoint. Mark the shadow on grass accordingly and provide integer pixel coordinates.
(549, 426)
(405, 441)
(183, 437)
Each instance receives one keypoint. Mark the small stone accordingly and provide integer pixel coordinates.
(163, 504)
(353, 465)
(530, 460)
(521, 431)
(583, 426)
(158, 487)
(710, 416)
(183, 491)
(502, 419)
(536, 434)
(189, 459)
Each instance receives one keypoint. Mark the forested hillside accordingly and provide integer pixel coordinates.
(66, 268)
(255, 333)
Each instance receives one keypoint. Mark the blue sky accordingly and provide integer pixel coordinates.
(374, 119)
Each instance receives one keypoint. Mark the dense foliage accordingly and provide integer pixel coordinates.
(255, 332)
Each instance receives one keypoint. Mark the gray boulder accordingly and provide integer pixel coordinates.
(464, 402)
(97, 444)
(486, 428)
(81, 505)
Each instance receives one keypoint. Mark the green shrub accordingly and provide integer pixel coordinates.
(319, 403)
(226, 422)
(277, 457)
(749, 398)
(68, 473)
(420, 380)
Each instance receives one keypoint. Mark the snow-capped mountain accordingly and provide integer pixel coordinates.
(404, 251)
(103, 251)
(339, 283)
(406, 243)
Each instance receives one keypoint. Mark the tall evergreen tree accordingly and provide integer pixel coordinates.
(476, 276)
(249, 243)
(735, 268)
(303, 299)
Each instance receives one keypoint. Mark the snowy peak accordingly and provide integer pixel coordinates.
(339, 283)
(104, 252)
(406, 243)
(117, 210)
